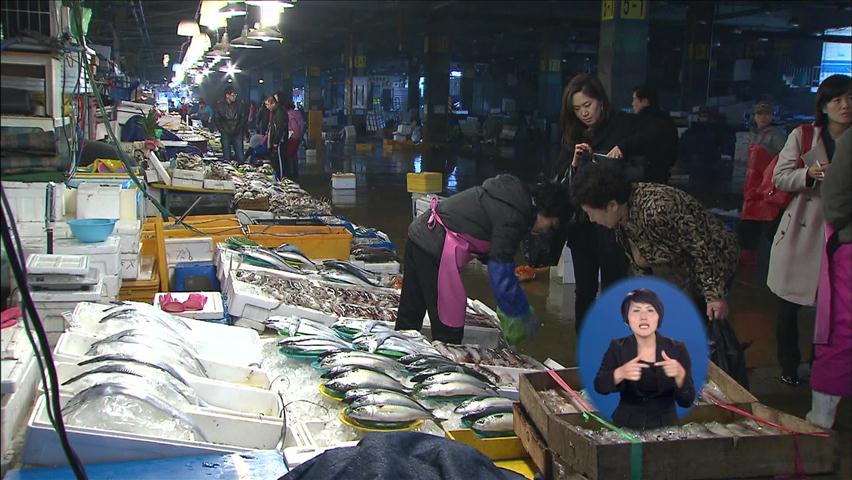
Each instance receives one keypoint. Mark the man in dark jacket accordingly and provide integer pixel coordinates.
(661, 152)
(277, 137)
(230, 116)
(487, 222)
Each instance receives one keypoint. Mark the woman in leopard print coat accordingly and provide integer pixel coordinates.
(665, 232)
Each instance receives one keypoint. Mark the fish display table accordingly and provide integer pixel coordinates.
(256, 465)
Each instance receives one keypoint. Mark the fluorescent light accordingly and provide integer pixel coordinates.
(456, 74)
(266, 34)
(188, 28)
(243, 41)
(270, 13)
(260, 80)
(230, 69)
(234, 9)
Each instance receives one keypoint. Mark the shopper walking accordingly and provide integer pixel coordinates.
(296, 126)
(758, 217)
(204, 114)
(831, 373)
(231, 117)
(487, 222)
(666, 233)
(661, 152)
(277, 137)
(794, 262)
(591, 125)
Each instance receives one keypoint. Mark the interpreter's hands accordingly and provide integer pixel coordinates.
(717, 309)
(615, 153)
(579, 150)
(817, 171)
(631, 370)
(673, 369)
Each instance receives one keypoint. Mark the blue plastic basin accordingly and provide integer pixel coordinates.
(92, 230)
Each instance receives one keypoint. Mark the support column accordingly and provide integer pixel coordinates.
(313, 91)
(623, 48)
(550, 78)
(695, 74)
(348, 71)
(437, 80)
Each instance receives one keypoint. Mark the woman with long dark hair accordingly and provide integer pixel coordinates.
(277, 138)
(591, 125)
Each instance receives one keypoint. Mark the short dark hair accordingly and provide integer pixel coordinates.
(572, 127)
(229, 90)
(646, 92)
(830, 88)
(551, 199)
(643, 295)
(596, 184)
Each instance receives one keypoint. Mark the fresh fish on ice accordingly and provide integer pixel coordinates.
(138, 347)
(450, 377)
(451, 390)
(364, 379)
(121, 358)
(128, 375)
(386, 398)
(446, 368)
(383, 414)
(293, 326)
(353, 274)
(479, 406)
(355, 358)
(501, 424)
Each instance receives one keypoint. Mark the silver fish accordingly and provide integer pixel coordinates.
(478, 405)
(386, 398)
(388, 414)
(135, 309)
(112, 389)
(142, 347)
(356, 393)
(429, 372)
(300, 326)
(298, 259)
(364, 379)
(450, 390)
(409, 359)
(362, 326)
(430, 361)
(117, 357)
(452, 377)
(370, 360)
(341, 369)
(498, 423)
(361, 276)
(124, 334)
(140, 318)
(313, 339)
(118, 369)
(269, 257)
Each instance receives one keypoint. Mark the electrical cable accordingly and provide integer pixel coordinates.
(51, 388)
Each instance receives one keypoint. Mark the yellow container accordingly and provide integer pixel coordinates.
(497, 449)
(521, 466)
(426, 182)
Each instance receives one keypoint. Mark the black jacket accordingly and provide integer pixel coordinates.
(278, 128)
(649, 402)
(660, 152)
(500, 211)
(230, 118)
(262, 121)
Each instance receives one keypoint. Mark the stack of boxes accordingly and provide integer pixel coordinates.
(28, 202)
(130, 248)
(104, 256)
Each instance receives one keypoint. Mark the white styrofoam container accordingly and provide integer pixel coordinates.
(15, 407)
(151, 176)
(72, 347)
(189, 250)
(214, 309)
(27, 200)
(389, 268)
(75, 247)
(112, 284)
(249, 302)
(344, 198)
(130, 265)
(58, 264)
(98, 201)
(51, 320)
(129, 233)
(182, 182)
(225, 434)
(187, 174)
(249, 323)
(92, 294)
(211, 184)
(343, 181)
(14, 369)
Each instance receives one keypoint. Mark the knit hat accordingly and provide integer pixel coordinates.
(763, 107)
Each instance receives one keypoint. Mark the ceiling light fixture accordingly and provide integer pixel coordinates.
(222, 49)
(230, 69)
(233, 9)
(266, 34)
(243, 41)
(188, 28)
(210, 16)
(259, 80)
(279, 3)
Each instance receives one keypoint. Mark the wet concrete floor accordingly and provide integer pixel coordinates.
(381, 202)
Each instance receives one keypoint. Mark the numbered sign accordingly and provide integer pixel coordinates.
(633, 9)
(607, 10)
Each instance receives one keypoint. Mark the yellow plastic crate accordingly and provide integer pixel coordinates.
(497, 449)
(426, 182)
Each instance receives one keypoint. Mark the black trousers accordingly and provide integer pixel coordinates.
(420, 294)
(594, 249)
(787, 334)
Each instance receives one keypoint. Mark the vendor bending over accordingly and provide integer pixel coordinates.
(487, 222)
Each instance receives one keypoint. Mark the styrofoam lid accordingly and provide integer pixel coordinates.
(128, 227)
(73, 246)
(40, 263)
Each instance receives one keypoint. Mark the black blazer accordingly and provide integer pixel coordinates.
(649, 402)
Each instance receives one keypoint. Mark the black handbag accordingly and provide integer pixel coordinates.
(726, 351)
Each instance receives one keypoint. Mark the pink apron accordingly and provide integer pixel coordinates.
(459, 248)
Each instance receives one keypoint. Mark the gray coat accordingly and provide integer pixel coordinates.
(795, 260)
(500, 211)
(837, 189)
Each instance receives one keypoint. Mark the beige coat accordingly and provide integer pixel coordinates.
(794, 262)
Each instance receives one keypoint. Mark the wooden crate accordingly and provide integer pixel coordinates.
(261, 204)
(712, 458)
(543, 418)
(532, 441)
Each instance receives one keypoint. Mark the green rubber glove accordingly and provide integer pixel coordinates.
(518, 329)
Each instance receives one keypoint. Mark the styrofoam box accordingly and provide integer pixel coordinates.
(92, 294)
(182, 182)
(129, 232)
(130, 265)
(27, 200)
(15, 407)
(344, 198)
(389, 268)
(189, 250)
(14, 369)
(211, 184)
(343, 181)
(51, 320)
(225, 434)
(103, 256)
(58, 264)
(219, 397)
(72, 347)
(112, 284)
(187, 174)
(98, 201)
(213, 309)
(249, 302)
(249, 323)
